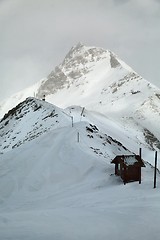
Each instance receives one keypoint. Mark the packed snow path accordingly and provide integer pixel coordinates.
(56, 188)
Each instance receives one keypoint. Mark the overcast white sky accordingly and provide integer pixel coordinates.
(35, 36)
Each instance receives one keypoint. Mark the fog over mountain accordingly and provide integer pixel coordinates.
(35, 36)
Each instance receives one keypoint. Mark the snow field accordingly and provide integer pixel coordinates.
(57, 188)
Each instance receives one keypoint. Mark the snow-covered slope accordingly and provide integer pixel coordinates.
(56, 179)
(28, 120)
(58, 186)
(33, 117)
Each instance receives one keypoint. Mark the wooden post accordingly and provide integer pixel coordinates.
(78, 136)
(72, 120)
(155, 170)
(116, 169)
(139, 175)
(140, 155)
(124, 174)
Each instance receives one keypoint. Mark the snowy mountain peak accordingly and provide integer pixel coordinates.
(80, 52)
(80, 62)
(74, 50)
(77, 77)
(98, 80)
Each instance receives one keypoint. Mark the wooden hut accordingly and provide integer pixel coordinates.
(128, 167)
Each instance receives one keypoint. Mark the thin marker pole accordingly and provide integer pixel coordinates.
(78, 137)
(155, 170)
(72, 120)
(140, 155)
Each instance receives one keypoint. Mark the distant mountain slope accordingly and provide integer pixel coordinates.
(98, 80)
(88, 76)
(33, 118)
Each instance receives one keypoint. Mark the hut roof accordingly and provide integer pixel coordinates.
(129, 160)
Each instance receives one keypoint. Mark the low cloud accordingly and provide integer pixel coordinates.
(36, 35)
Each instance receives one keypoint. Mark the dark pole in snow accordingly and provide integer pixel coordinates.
(140, 155)
(78, 137)
(124, 176)
(72, 120)
(155, 169)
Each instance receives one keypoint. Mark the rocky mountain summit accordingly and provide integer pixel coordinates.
(90, 77)
(78, 62)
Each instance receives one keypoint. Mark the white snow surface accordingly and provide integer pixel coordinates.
(56, 177)
(61, 184)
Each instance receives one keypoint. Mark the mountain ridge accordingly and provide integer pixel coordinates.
(81, 72)
(98, 80)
